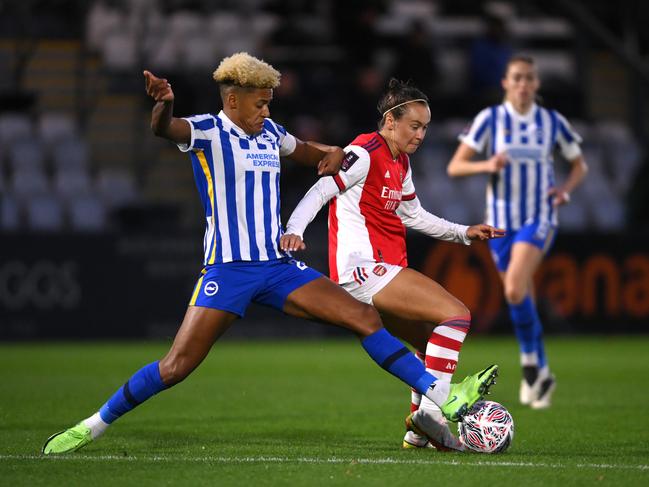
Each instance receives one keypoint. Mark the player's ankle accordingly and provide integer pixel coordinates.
(96, 425)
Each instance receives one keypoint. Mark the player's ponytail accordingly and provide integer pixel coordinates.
(396, 98)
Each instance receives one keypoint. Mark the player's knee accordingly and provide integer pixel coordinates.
(174, 369)
(363, 319)
(458, 311)
(514, 293)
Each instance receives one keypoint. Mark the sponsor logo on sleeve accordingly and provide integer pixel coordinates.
(348, 161)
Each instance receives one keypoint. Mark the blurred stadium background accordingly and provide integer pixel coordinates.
(100, 223)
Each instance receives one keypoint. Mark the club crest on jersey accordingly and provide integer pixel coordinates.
(348, 161)
(269, 139)
(379, 270)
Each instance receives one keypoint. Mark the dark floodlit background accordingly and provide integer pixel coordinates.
(100, 225)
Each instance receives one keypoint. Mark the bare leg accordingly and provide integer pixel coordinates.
(518, 284)
(324, 300)
(427, 316)
(200, 328)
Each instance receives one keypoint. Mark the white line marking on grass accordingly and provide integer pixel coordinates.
(317, 460)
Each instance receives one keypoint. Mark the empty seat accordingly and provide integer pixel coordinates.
(72, 184)
(26, 155)
(70, 155)
(100, 22)
(14, 127)
(161, 52)
(55, 127)
(116, 188)
(28, 183)
(574, 216)
(198, 52)
(609, 215)
(224, 25)
(87, 213)
(185, 24)
(44, 213)
(119, 50)
(9, 212)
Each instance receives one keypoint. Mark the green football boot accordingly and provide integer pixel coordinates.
(67, 441)
(464, 395)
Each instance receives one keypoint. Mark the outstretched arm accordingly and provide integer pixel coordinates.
(328, 158)
(163, 123)
(305, 212)
(462, 164)
(414, 216)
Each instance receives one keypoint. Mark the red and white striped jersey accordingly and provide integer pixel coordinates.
(363, 223)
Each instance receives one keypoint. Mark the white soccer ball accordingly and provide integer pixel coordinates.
(487, 428)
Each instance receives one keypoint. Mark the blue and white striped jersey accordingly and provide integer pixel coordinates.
(518, 194)
(237, 176)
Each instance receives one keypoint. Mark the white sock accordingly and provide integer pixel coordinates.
(544, 372)
(96, 424)
(439, 393)
(529, 359)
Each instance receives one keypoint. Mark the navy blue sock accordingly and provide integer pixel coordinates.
(523, 318)
(391, 355)
(145, 383)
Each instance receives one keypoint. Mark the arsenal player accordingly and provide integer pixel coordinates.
(371, 202)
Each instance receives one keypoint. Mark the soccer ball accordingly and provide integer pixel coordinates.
(487, 428)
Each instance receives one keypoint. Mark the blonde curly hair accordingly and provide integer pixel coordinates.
(242, 69)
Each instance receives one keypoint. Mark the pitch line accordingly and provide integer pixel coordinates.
(316, 460)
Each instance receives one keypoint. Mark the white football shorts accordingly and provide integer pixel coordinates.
(369, 279)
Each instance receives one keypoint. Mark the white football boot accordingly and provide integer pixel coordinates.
(432, 425)
(413, 440)
(529, 393)
(545, 391)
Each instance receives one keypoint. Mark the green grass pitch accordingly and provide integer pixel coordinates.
(317, 413)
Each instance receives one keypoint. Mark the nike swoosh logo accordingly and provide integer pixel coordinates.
(452, 400)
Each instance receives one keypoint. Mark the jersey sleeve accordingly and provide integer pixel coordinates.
(310, 205)
(285, 140)
(477, 134)
(202, 127)
(414, 216)
(354, 169)
(408, 188)
(567, 138)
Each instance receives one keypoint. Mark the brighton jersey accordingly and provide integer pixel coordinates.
(518, 194)
(237, 176)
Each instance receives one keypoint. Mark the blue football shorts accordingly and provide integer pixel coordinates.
(233, 285)
(541, 236)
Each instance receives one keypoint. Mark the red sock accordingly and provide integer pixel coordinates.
(444, 345)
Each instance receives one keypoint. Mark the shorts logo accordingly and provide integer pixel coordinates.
(211, 288)
(379, 270)
(299, 264)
